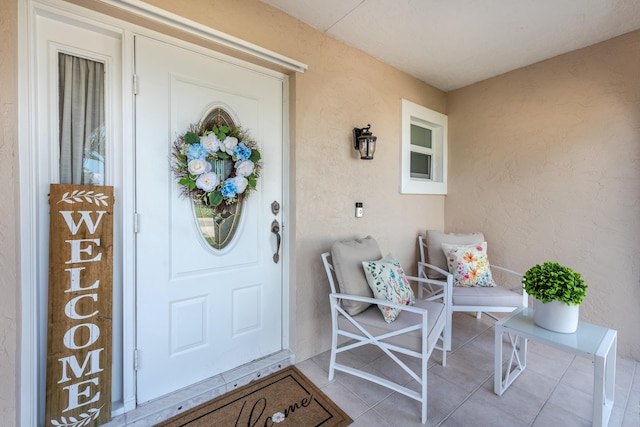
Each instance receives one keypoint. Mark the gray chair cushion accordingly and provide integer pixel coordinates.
(483, 296)
(436, 257)
(347, 257)
(373, 322)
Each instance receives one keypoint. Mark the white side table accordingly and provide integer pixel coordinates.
(594, 342)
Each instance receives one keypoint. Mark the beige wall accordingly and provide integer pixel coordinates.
(545, 160)
(8, 213)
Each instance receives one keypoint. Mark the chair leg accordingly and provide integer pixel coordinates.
(444, 354)
(447, 330)
(424, 386)
(334, 343)
(332, 363)
(478, 315)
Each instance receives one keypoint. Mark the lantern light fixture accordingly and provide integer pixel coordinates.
(365, 142)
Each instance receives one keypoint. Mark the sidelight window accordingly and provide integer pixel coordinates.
(81, 84)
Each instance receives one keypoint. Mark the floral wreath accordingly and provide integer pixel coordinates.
(216, 165)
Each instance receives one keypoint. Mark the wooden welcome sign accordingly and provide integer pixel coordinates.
(80, 301)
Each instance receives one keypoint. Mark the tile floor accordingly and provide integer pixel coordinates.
(554, 390)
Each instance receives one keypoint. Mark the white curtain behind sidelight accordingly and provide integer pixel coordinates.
(82, 132)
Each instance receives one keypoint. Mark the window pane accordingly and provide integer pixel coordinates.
(81, 111)
(420, 165)
(420, 136)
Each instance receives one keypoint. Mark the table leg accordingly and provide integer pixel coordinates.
(497, 360)
(518, 355)
(604, 379)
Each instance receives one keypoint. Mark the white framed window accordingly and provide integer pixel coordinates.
(424, 150)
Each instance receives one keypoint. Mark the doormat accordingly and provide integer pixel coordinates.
(286, 398)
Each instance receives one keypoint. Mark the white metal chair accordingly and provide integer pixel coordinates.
(415, 332)
(488, 300)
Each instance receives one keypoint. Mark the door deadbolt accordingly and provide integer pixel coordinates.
(275, 207)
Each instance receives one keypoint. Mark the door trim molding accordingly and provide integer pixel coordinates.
(152, 12)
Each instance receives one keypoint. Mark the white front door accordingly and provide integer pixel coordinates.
(202, 311)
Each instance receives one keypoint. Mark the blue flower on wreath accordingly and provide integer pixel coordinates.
(197, 151)
(228, 189)
(241, 152)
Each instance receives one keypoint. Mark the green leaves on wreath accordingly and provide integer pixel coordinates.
(253, 181)
(191, 138)
(255, 156)
(220, 132)
(182, 161)
(188, 181)
(215, 198)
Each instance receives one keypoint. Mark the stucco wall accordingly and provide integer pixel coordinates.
(8, 212)
(545, 160)
(342, 89)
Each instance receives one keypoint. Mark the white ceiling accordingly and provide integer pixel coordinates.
(453, 43)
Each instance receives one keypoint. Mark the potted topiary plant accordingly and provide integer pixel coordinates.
(558, 293)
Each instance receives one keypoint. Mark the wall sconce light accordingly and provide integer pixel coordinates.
(365, 142)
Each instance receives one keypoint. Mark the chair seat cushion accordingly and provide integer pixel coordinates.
(373, 322)
(484, 296)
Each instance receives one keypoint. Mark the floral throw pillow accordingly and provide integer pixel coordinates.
(469, 264)
(388, 282)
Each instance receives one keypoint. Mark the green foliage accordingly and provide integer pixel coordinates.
(220, 132)
(552, 281)
(253, 180)
(215, 198)
(255, 156)
(188, 181)
(191, 138)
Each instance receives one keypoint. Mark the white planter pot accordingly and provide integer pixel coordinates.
(556, 316)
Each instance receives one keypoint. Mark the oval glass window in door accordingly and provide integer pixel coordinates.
(217, 229)
(218, 226)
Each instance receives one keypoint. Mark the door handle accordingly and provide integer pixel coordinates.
(275, 229)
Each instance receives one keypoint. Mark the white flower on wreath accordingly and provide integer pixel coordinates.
(210, 142)
(240, 182)
(244, 167)
(199, 166)
(229, 144)
(278, 417)
(207, 181)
